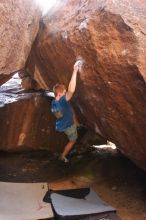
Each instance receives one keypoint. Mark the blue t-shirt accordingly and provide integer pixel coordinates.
(67, 115)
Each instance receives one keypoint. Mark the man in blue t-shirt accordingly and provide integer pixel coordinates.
(63, 112)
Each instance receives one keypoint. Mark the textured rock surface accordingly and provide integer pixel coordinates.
(26, 121)
(27, 82)
(28, 124)
(111, 92)
(19, 24)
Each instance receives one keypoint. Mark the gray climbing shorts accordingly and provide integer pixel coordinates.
(71, 133)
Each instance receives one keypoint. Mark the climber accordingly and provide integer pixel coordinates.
(64, 113)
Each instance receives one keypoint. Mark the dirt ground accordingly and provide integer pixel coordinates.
(127, 202)
(116, 180)
(127, 195)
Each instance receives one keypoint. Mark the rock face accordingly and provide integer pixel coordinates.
(111, 93)
(19, 25)
(26, 121)
(29, 124)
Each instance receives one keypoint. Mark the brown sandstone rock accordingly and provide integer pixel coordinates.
(28, 123)
(27, 82)
(19, 23)
(111, 91)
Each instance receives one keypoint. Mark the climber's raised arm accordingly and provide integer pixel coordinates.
(72, 83)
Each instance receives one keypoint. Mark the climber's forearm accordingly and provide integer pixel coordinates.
(72, 84)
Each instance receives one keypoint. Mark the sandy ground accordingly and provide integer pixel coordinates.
(128, 204)
(116, 180)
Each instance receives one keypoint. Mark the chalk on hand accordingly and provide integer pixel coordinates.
(79, 63)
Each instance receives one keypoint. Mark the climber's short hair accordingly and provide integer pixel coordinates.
(58, 88)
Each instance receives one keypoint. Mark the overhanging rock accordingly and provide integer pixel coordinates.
(111, 93)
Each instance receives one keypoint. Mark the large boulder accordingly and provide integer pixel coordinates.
(19, 25)
(26, 121)
(111, 92)
(27, 124)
